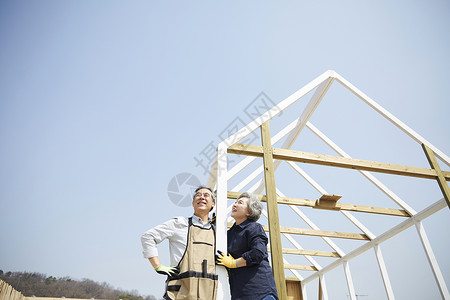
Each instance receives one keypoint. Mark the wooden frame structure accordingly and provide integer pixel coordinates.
(272, 157)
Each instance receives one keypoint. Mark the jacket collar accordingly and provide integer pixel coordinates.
(243, 224)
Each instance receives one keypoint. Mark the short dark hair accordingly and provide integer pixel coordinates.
(205, 187)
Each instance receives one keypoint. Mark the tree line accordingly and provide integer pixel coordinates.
(41, 285)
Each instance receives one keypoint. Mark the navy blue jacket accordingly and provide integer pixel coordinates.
(249, 241)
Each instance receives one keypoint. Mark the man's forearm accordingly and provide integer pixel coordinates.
(154, 261)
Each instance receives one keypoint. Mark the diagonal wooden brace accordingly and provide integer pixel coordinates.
(440, 177)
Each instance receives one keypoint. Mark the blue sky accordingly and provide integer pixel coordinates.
(102, 103)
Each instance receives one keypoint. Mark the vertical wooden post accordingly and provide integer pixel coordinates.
(223, 288)
(320, 289)
(294, 290)
(440, 177)
(301, 292)
(272, 211)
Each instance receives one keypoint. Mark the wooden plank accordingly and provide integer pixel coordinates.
(293, 289)
(2, 288)
(17, 295)
(320, 290)
(335, 161)
(343, 206)
(312, 232)
(300, 267)
(328, 202)
(272, 211)
(440, 176)
(374, 210)
(8, 292)
(308, 252)
(288, 278)
(11, 294)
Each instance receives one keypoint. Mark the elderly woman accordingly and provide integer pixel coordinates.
(250, 274)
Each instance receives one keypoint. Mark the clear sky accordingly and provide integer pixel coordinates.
(102, 103)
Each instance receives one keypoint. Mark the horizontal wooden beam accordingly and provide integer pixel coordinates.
(323, 233)
(300, 267)
(342, 206)
(308, 252)
(313, 232)
(335, 161)
(292, 279)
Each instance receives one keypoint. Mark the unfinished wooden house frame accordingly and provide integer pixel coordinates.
(272, 157)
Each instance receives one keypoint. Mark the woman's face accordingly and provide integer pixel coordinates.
(239, 210)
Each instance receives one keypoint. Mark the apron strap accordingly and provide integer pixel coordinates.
(194, 274)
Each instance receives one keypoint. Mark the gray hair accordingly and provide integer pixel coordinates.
(254, 206)
(205, 187)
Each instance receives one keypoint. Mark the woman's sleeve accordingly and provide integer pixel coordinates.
(257, 245)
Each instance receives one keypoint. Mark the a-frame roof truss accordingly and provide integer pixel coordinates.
(221, 176)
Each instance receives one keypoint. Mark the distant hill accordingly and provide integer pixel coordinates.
(41, 285)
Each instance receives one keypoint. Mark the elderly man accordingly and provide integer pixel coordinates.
(191, 274)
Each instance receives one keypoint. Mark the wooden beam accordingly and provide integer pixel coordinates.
(374, 210)
(300, 267)
(294, 289)
(335, 161)
(342, 206)
(320, 290)
(308, 252)
(313, 232)
(328, 202)
(292, 279)
(272, 211)
(440, 176)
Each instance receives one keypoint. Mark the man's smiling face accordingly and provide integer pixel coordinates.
(203, 202)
